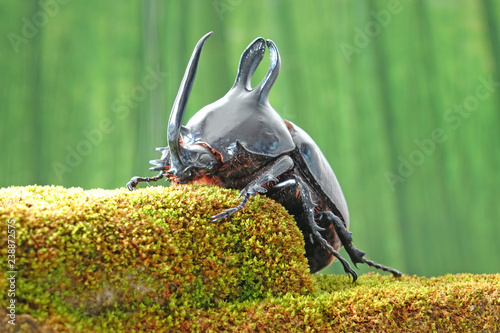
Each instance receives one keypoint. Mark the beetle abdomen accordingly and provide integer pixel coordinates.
(287, 193)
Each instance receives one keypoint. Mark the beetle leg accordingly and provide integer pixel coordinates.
(356, 255)
(270, 174)
(309, 206)
(132, 184)
(344, 236)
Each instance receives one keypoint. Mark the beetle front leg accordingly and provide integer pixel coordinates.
(132, 184)
(270, 174)
(356, 255)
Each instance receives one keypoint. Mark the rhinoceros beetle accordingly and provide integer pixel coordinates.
(241, 142)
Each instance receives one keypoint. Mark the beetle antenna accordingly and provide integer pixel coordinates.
(250, 60)
(175, 121)
(274, 69)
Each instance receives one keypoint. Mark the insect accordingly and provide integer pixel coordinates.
(241, 142)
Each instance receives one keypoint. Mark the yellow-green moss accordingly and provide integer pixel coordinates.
(151, 260)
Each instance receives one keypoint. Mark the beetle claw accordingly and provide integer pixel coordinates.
(132, 184)
(345, 264)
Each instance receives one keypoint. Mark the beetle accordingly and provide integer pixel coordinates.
(241, 142)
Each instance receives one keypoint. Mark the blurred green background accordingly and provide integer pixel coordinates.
(403, 97)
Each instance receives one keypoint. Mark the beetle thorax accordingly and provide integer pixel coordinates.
(236, 172)
(238, 117)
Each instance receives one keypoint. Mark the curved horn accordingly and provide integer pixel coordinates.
(179, 107)
(250, 60)
(274, 69)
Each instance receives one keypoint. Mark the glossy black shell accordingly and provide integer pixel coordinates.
(319, 173)
(238, 117)
(244, 114)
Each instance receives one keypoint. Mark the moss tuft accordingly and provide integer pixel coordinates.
(151, 260)
(92, 253)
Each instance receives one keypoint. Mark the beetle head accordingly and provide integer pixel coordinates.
(242, 116)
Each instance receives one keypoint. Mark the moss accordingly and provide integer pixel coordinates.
(150, 260)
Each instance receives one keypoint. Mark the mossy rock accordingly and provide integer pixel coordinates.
(151, 260)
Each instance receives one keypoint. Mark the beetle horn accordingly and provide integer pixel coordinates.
(177, 165)
(250, 60)
(274, 69)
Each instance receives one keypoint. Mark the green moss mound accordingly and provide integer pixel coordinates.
(150, 260)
